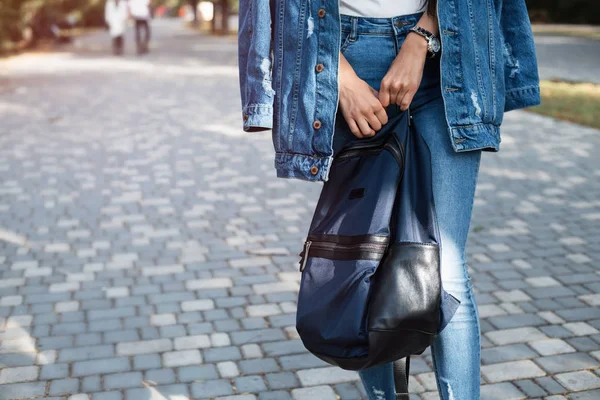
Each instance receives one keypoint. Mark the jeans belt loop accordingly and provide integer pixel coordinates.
(354, 29)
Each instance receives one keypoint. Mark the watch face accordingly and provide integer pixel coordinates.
(434, 44)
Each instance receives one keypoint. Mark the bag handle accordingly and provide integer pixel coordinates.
(401, 371)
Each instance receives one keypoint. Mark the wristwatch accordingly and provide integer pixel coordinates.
(433, 43)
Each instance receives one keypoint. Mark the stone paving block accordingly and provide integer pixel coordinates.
(555, 331)
(285, 380)
(567, 362)
(512, 370)
(313, 393)
(581, 328)
(252, 384)
(587, 395)
(192, 342)
(54, 371)
(550, 385)
(258, 366)
(64, 386)
(228, 369)
(18, 374)
(251, 351)
(231, 353)
(197, 373)
(143, 347)
(177, 391)
(122, 380)
(325, 376)
(78, 396)
(91, 384)
(286, 347)
(146, 361)
(515, 335)
(257, 336)
(515, 321)
(220, 339)
(530, 388)
(277, 395)
(348, 391)
(22, 390)
(501, 391)
(102, 366)
(238, 397)
(86, 353)
(220, 387)
(510, 352)
(107, 396)
(579, 380)
(301, 361)
(550, 347)
(160, 376)
(181, 358)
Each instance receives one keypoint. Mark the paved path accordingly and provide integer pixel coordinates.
(568, 58)
(148, 252)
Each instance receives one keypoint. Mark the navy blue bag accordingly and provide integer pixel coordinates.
(371, 289)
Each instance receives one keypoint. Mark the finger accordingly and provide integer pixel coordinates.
(354, 128)
(374, 122)
(365, 129)
(381, 115)
(406, 100)
(399, 96)
(384, 94)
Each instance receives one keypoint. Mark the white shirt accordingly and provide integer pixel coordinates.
(115, 16)
(381, 8)
(140, 9)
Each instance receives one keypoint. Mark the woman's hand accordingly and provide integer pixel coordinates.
(403, 78)
(359, 103)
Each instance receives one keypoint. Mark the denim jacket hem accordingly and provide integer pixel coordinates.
(522, 98)
(258, 117)
(476, 137)
(302, 166)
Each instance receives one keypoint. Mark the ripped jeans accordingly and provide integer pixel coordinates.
(370, 45)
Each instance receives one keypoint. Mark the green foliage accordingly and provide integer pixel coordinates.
(39, 15)
(565, 11)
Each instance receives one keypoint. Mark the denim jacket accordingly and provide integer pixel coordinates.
(289, 57)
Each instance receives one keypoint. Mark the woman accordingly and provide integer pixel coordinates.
(457, 64)
(115, 15)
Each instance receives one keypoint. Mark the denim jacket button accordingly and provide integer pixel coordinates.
(321, 13)
(245, 117)
(320, 67)
(314, 170)
(317, 124)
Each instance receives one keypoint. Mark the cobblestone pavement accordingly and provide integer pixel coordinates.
(568, 58)
(148, 252)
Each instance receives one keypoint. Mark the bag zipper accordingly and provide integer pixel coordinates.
(397, 152)
(359, 247)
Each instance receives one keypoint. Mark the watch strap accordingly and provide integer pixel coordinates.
(427, 35)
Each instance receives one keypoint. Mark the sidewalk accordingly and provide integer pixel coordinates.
(147, 250)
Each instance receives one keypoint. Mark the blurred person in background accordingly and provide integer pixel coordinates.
(115, 15)
(140, 12)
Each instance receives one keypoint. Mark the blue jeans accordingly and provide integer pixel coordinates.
(370, 45)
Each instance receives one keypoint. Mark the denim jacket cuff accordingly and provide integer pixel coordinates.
(258, 117)
(522, 98)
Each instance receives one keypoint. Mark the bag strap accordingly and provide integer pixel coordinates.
(401, 371)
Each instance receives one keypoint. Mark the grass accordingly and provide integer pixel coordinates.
(586, 31)
(575, 102)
